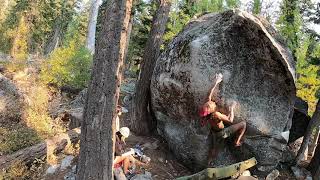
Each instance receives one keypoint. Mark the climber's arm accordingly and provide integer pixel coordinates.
(217, 82)
(223, 117)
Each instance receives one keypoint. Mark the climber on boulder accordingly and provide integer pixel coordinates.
(211, 114)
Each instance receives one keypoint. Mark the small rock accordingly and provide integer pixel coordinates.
(52, 169)
(146, 145)
(161, 159)
(301, 173)
(124, 110)
(74, 169)
(146, 176)
(66, 162)
(246, 173)
(273, 175)
(155, 145)
(128, 88)
(246, 178)
(70, 176)
(127, 99)
(151, 146)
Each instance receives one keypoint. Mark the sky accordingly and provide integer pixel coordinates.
(275, 9)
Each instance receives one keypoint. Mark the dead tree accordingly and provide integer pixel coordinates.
(314, 122)
(97, 136)
(91, 35)
(140, 119)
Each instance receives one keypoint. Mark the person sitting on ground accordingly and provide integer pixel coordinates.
(123, 160)
(211, 112)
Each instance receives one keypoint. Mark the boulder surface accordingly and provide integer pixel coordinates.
(258, 73)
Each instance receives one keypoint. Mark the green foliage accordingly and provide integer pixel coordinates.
(13, 140)
(19, 49)
(42, 17)
(289, 23)
(256, 9)
(142, 20)
(19, 46)
(68, 65)
(21, 170)
(305, 50)
(308, 82)
(232, 3)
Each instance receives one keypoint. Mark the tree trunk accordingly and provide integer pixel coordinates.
(47, 148)
(314, 166)
(127, 64)
(314, 122)
(53, 43)
(314, 143)
(91, 36)
(141, 122)
(97, 129)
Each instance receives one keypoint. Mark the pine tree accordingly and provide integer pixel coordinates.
(19, 50)
(97, 129)
(141, 122)
(289, 24)
(256, 8)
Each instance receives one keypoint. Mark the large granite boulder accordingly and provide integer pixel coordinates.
(259, 75)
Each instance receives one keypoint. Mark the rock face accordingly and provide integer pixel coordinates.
(10, 101)
(258, 73)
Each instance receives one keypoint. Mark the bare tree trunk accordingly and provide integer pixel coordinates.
(53, 43)
(314, 122)
(91, 36)
(140, 121)
(314, 166)
(97, 130)
(314, 142)
(127, 64)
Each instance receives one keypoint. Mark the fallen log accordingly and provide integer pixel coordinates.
(49, 147)
(223, 172)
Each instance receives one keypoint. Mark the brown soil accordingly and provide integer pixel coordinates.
(163, 165)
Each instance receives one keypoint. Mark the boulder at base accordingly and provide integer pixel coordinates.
(258, 73)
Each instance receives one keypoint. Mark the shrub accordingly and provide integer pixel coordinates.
(68, 66)
(13, 140)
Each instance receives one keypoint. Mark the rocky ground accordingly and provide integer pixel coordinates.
(60, 106)
(67, 111)
(162, 166)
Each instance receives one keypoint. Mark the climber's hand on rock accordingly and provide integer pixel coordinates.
(219, 77)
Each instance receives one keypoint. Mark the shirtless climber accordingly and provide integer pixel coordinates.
(211, 112)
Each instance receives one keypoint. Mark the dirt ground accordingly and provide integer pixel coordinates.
(163, 165)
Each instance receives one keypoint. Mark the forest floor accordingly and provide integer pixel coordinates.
(39, 125)
(163, 165)
(36, 125)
